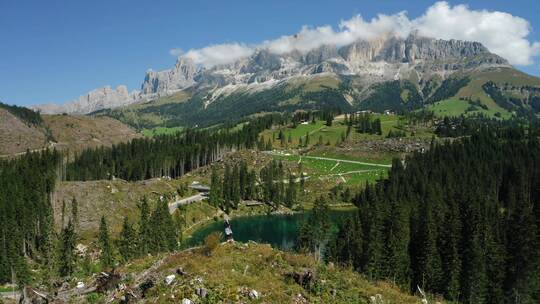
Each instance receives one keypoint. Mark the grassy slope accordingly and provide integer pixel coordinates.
(324, 174)
(233, 270)
(161, 131)
(138, 114)
(334, 172)
(454, 106)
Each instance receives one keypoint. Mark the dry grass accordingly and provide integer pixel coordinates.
(234, 269)
(116, 199)
(79, 132)
(68, 132)
(17, 137)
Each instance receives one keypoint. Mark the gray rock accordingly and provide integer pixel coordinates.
(179, 77)
(253, 294)
(169, 279)
(98, 99)
(377, 60)
(201, 292)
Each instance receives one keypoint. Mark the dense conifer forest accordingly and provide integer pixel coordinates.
(166, 155)
(26, 215)
(461, 220)
(272, 185)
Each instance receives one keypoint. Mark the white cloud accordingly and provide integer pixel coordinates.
(349, 31)
(219, 54)
(502, 33)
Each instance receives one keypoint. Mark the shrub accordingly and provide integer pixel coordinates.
(211, 242)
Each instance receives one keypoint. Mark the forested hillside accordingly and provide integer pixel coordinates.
(166, 155)
(26, 214)
(461, 220)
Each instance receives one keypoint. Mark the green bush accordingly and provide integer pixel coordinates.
(211, 242)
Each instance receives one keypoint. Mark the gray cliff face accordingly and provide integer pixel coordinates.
(102, 98)
(163, 82)
(383, 59)
(380, 59)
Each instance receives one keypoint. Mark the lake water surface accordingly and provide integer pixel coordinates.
(278, 230)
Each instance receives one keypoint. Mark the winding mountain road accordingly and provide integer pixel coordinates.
(186, 201)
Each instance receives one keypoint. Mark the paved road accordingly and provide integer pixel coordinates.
(185, 201)
(334, 159)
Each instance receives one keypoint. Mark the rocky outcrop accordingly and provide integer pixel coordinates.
(170, 81)
(102, 98)
(377, 60)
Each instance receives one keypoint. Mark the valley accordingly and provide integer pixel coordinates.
(385, 160)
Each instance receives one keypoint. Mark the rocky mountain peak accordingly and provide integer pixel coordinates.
(101, 98)
(169, 81)
(385, 58)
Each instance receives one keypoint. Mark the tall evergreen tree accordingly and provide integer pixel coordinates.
(290, 197)
(314, 233)
(144, 227)
(106, 258)
(75, 213)
(67, 256)
(127, 244)
(347, 247)
(162, 229)
(216, 189)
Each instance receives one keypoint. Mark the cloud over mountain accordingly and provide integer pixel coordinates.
(502, 33)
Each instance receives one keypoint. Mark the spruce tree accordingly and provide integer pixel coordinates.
(106, 258)
(314, 233)
(162, 229)
(179, 219)
(428, 262)
(144, 227)
(75, 213)
(67, 256)
(396, 253)
(290, 197)
(347, 247)
(216, 189)
(235, 187)
(127, 244)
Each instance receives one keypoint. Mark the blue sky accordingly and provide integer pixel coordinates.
(55, 51)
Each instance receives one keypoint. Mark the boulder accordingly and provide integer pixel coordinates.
(201, 292)
(253, 294)
(169, 279)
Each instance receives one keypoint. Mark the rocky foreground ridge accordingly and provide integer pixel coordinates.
(383, 59)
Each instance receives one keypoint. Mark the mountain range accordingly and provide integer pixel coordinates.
(386, 58)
